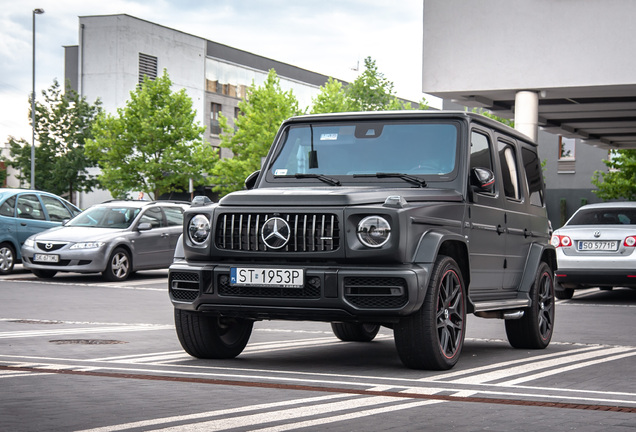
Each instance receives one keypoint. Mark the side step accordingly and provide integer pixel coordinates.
(507, 309)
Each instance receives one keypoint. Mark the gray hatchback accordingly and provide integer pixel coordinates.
(115, 238)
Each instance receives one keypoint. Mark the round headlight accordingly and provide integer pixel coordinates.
(374, 231)
(199, 229)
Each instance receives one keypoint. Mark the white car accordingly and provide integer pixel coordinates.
(596, 248)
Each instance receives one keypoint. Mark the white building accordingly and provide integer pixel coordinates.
(115, 52)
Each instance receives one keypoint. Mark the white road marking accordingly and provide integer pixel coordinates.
(84, 330)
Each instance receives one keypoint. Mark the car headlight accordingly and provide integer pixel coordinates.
(87, 245)
(29, 242)
(199, 229)
(374, 231)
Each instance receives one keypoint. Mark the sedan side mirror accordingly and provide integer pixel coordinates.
(144, 226)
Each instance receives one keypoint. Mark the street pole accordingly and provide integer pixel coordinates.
(37, 11)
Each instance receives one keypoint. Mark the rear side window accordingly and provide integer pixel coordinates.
(508, 161)
(534, 176)
(174, 216)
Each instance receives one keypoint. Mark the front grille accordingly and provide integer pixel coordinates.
(308, 232)
(184, 286)
(49, 246)
(311, 289)
(376, 292)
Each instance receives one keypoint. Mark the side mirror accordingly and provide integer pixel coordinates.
(250, 181)
(144, 226)
(200, 201)
(482, 180)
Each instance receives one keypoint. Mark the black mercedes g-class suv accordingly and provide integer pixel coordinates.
(408, 220)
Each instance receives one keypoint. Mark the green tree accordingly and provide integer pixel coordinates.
(332, 98)
(262, 112)
(153, 144)
(371, 91)
(620, 180)
(62, 125)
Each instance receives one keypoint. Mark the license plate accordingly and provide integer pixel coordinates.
(46, 258)
(267, 277)
(598, 245)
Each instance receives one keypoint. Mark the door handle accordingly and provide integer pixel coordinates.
(500, 229)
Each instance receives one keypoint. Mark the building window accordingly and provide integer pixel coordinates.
(147, 67)
(566, 148)
(566, 162)
(215, 110)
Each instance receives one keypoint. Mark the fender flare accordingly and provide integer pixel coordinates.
(538, 252)
(430, 242)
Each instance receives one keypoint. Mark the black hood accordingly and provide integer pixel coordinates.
(341, 196)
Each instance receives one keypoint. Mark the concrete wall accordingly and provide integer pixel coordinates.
(109, 59)
(521, 44)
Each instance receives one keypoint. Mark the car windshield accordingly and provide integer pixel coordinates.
(105, 217)
(363, 147)
(604, 216)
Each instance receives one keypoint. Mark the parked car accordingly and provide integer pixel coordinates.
(26, 212)
(115, 238)
(596, 248)
(409, 220)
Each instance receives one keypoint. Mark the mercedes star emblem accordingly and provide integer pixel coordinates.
(275, 232)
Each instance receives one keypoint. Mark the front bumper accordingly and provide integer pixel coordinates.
(340, 293)
(80, 261)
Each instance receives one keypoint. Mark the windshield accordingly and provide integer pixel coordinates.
(604, 216)
(424, 148)
(105, 217)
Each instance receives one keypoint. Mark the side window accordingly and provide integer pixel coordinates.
(29, 207)
(534, 176)
(480, 151)
(56, 210)
(8, 207)
(153, 216)
(508, 161)
(174, 215)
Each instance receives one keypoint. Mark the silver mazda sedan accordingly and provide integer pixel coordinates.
(596, 248)
(115, 238)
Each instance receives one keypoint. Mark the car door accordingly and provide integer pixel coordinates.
(31, 216)
(152, 247)
(174, 220)
(517, 222)
(487, 241)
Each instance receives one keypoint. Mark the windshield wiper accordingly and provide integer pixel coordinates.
(409, 178)
(328, 180)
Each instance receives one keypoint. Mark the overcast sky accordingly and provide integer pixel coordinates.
(330, 37)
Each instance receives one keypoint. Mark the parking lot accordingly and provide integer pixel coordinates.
(79, 353)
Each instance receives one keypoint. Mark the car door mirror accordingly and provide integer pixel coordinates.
(144, 226)
(250, 181)
(482, 180)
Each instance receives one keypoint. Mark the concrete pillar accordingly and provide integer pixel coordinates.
(527, 113)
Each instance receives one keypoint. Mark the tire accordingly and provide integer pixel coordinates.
(534, 330)
(211, 337)
(7, 258)
(355, 332)
(433, 337)
(564, 294)
(44, 274)
(119, 266)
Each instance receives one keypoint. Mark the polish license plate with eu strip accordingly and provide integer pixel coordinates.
(46, 258)
(598, 245)
(267, 277)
